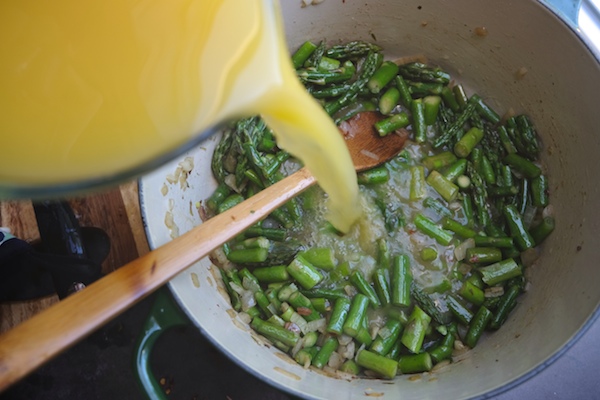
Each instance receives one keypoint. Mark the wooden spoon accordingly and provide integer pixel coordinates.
(35, 341)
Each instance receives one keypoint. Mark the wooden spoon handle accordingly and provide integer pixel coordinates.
(35, 341)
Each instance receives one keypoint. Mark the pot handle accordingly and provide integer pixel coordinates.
(163, 315)
(566, 9)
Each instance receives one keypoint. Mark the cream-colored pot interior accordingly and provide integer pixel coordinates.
(559, 91)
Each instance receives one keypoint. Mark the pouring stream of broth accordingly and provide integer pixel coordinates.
(91, 89)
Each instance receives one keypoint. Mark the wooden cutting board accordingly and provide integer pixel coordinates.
(116, 210)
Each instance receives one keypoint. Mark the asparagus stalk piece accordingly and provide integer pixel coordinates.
(338, 317)
(418, 121)
(356, 314)
(369, 66)
(518, 231)
(401, 281)
(423, 73)
(430, 228)
(381, 283)
(383, 344)
(276, 273)
(467, 142)
(322, 357)
(274, 332)
(500, 271)
(304, 272)
(385, 367)
(431, 109)
(508, 301)
(450, 99)
(478, 324)
(414, 332)
(389, 100)
(351, 50)
(382, 76)
(540, 232)
(363, 286)
(414, 363)
(460, 310)
(418, 189)
(392, 123)
(374, 176)
(483, 255)
(402, 86)
(439, 160)
(303, 53)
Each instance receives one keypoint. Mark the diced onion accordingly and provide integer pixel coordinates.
(187, 164)
(316, 325)
(297, 347)
(230, 181)
(250, 285)
(369, 154)
(521, 72)
(548, 211)
(345, 128)
(300, 321)
(335, 361)
(458, 345)
(529, 256)
(455, 205)
(421, 58)
(361, 348)
(374, 331)
(170, 223)
(350, 290)
(236, 288)
(417, 238)
(347, 351)
(344, 340)
(464, 268)
(377, 319)
(371, 374)
(494, 291)
(271, 307)
(460, 251)
(169, 220)
(329, 371)
(385, 332)
(171, 178)
(528, 215)
(440, 365)
(244, 317)
(248, 300)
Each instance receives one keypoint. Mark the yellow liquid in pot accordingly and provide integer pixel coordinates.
(93, 88)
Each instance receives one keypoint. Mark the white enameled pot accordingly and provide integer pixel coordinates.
(531, 61)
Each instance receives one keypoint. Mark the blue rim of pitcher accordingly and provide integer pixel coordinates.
(86, 186)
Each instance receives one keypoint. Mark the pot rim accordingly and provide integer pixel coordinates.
(592, 48)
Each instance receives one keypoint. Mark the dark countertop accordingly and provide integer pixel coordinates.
(100, 367)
